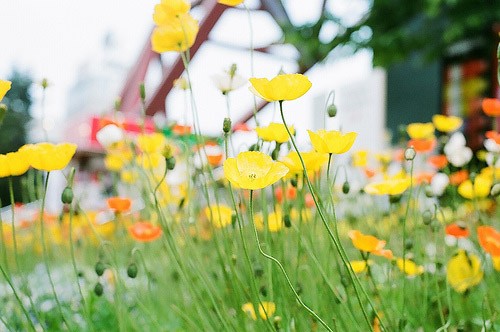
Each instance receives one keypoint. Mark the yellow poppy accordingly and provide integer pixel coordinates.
(48, 156)
(220, 215)
(151, 161)
(480, 188)
(4, 87)
(496, 262)
(464, 271)
(360, 266)
(420, 130)
(150, 143)
(332, 141)
(446, 124)
(13, 164)
(266, 309)
(409, 267)
(177, 36)
(231, 3)
(274, 221)
(274, 132)
(167, 10)
(253, 170)
(360, 158)
(366, 243)
(391, 186)
(313, 161)
(281, 87)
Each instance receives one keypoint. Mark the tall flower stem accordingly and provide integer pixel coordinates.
(4, 247)
(44, 250)
(277, 262)
(335, 241)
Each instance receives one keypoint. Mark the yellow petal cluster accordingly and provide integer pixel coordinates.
(274, 221)
(332, 141)
(366, 243)
(4, 87)
(280, 88)
(219, 215)
(391, 186)
(266, 309)
(168, 10)
(313, 161)
(409, 267)
(464, 271)
(13, 164)
(274, 132)
(480, 188)
(446, 124)
(419, 130)
(47, 156)
(150, 143)
(231, 3)
(253, 170)
(360, 266)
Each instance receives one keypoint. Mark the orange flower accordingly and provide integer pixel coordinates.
(369, 172)
(424, 177)
(119, 204)
(459, 177)
(493, 135)
(387, 253)
(214, 153)
(491, 107)
(367, 243)
(489, 238)
(242, 127)
(144, 231)
(422, 145)
(439, 161)
(457, 230)
(181, 130)
(309, 200)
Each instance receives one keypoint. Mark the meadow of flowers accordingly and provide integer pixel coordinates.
(200, 236)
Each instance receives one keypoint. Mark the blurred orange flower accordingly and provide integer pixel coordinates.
(459, 177)
(491, 107)
(489, 238)
(366, 243)
(119, 204)
(493, 135)
(439, 161)
(457, 230)
(144, 231)
(422, 145)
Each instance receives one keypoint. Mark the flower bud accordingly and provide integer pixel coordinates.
(171, 163)
(118, 103)
(226, 125)
(167, 152)
(293, 182)
(142, 91)
(254, 147)
(44, 83)
(410, 153)
(287, 221)
(99, 268)
(427, 217)
(67, 195)
(332, 110)
(346, 187)
(393, 199)
(258, 271)
(98, 289)
(132, 270)
(275, 153)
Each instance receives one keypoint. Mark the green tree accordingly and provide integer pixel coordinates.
(13, 128)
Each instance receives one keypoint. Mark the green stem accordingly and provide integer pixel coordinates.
(404, 240)
(277, 262)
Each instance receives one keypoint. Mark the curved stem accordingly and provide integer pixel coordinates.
(277, 262)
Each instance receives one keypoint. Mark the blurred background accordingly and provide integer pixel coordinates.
(390, 62)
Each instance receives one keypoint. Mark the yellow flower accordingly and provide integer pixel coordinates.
(177, 36)
(360, 158)
(446, 124)
(266, 309)
(496, 262)
(151, 161)
(253, 170)
(48, 156)
(13, 164)
(360, 266)
(281, 87)
(150, 143)
(168, 10)
(274, 132)
(480, 188)
(391, 186)
(366, 243)
(128, 176)
(274, 221)
(4, 87)
(409, 267)
(332, 141)
(231, 3)
(313, 161)
(220, 215)
(420, 130)
(464, 271)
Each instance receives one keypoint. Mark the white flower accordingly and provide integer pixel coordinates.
(457, 153)
(492, 146)
(226, 82)
(439, 183)
(109, 135)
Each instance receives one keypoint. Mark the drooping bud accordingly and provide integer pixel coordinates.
(427, 217)
(287, 221)
(293, 182)
(410, 153)
(132, 270)
(332, 110)
(226, 125)
(98, 289)
(167, 152)
(99, 268)
(67, 195)
(346, 187)
(393, 199)
(171, 163)
(142, 91)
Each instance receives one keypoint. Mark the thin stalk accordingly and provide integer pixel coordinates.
(277, 262)
(4, 247)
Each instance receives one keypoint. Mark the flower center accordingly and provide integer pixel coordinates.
(252, 176)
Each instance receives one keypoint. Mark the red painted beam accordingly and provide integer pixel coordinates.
(157, 101)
